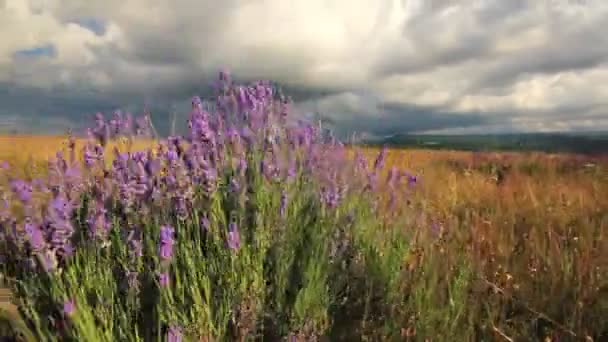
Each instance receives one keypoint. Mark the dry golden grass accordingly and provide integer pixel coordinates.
(534, 224)
(28, 155)
(534, 180)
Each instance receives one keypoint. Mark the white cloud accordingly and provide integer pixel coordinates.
(505, 60)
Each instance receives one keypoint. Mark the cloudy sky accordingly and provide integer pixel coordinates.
(373, 66)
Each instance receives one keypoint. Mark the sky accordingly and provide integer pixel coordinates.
(375, 67)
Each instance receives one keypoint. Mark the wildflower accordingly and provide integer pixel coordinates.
(412, 180)
(166, 234)
(379, 163)
(330, 196)
(163, 279)
(235, 186)
(99, 225)
(234, 238)
(166, 242)
(92, 154)
(136, 250)
(57, 222)
(166, 251)
(69, 307)
(205, 224)
(180, 205)
(35, 236)
(102, 131)
(174, 334)
(196, 102)
(242, 167)
(23, 190)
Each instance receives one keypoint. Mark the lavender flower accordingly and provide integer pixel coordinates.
(235, 186)
(58, 223)
(234, 238)
(166, 242)
(166, 251)
(69, 307)
(330, 196)
(35, 236)
(379, 163)
(242, 166)
(23, 190)
(412, 179)
(163, 279)
(205, 224)
(174, 334)
(99, 225)
(136, 248)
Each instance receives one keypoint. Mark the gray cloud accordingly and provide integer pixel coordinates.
(380, 67)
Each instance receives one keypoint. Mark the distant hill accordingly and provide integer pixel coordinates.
(584, 143)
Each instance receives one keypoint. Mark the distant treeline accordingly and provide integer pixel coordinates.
(552, 143)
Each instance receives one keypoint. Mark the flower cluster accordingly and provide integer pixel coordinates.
(245, 141)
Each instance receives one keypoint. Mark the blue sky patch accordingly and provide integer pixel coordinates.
(46, 50)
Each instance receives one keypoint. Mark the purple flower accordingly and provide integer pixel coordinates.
(163, 279)
(291, 170)
(136, 250)
(166, 242)
(174, 334)
(23, 190)
(379, 163)
(234, 238)
(172, 155)
(166, 234)
(242, 167)
(35, 236)
(235, 186)
(283, 205)
(92, 154)
(69, 307)
(196, 102)
(330, 197)
(412, 179)
(99, 225)
(166, 251)
(58, 223)
(205, 224)
(153, 166)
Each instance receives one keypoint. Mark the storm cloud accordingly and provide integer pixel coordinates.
(375, 67)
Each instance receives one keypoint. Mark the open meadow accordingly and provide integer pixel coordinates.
(236, 236)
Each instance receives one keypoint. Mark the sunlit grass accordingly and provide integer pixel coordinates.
(526, 232)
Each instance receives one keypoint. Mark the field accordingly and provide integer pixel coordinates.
(471, 246)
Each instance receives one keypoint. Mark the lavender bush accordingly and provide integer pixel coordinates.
(245, 227)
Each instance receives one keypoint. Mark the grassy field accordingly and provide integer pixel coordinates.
(531, 229)
(253, 227)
